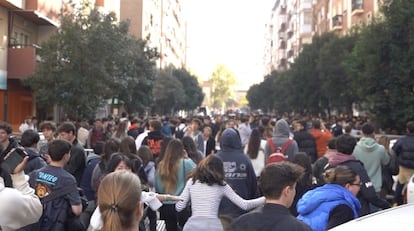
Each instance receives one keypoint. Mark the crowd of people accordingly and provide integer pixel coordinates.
(244, 172)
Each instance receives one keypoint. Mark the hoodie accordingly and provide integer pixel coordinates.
(367, 193)
(373, 156)
(35, 161)
(280, 136)
(238, 172)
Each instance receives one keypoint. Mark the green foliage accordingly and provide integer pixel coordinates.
(382, 66)
(169, 94)
(176, 89)
(372, 67)
(223, 80)
(92, 58)
(193, 93)
(336, 85)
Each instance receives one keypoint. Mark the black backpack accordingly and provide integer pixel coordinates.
(57, 213)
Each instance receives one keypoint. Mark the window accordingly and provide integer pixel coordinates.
(307, 18)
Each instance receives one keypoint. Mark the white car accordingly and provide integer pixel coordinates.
(396, 218)
(410, 190)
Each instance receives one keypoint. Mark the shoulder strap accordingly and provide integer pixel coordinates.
(272, 145)
(286, 145)
(59, 193)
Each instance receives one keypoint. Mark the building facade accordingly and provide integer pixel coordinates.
(340, 16)
(23, 26)
(293, 23)
(161, 22)
(289, 28)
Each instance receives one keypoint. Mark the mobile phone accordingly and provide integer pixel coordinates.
(13, 159)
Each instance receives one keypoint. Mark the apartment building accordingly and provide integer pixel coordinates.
(289, 28)
(293, 23)
(161, 22)
(24, 25)
(341, 15)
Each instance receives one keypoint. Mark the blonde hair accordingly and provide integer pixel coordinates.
(119, 195)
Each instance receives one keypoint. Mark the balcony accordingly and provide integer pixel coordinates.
(282, 19)
(282, 45)
(337, 22)
(290, 53)
(21, 61)
(357, 7)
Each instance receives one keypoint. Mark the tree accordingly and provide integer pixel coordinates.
(169, 93)
(193, 93)
(382, 65)
(336, 85)
(306, 93)
(92, 58)
(222, 80)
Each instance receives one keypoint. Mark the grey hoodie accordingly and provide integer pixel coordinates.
(373, 156)
(280, 136)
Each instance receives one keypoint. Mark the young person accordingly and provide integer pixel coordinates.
(52, 178)
(170, 178)
(333, 203)
(19, 205)
(278, 183)
(119, 201)
(205, 190)
(77, 162)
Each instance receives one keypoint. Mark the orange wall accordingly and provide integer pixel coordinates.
(20, 104)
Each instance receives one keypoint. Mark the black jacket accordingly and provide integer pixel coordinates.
(306, 143)
(77, 161)
(210, 146)
(404, 149)
(270, 217)
(366, 193)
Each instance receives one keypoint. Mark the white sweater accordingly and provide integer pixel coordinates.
(205, 199)
(19, 206)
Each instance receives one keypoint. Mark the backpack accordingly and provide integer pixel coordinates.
(57, 212)
(277, 153)
(179, 133)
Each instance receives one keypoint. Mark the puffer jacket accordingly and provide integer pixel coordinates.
(316, 205)
(404, 148)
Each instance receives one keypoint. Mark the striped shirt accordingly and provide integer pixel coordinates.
(205, 199)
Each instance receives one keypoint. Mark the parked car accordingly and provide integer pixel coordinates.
(410, 190)
(396, 218)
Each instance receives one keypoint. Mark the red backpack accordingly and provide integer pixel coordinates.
(278, 154)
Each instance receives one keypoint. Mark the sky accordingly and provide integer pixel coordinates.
(228, 32)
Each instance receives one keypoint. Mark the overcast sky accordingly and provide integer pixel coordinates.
(229, 32)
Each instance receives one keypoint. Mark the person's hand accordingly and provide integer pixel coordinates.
(21, 166)
(47, 158)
